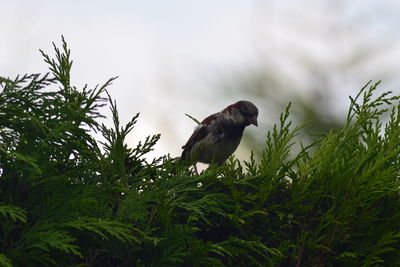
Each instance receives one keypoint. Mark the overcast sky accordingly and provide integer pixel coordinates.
(167, 52)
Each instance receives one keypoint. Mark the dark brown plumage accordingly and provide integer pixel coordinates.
(218, 135)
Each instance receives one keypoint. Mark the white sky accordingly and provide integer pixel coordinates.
(166, 52)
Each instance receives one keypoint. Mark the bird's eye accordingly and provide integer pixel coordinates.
(245, 111)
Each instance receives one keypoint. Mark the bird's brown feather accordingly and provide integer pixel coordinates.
(200, 132)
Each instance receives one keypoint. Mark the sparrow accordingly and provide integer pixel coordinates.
(218, 135)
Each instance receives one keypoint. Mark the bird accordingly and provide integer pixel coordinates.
(218, 136)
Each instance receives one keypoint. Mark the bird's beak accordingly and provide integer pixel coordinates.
(253, 121)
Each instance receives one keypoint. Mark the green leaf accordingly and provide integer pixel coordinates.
(4, 261)
(13, 213)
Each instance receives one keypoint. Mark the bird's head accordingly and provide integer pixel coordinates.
(242, 113)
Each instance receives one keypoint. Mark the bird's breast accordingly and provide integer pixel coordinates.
(217, 147)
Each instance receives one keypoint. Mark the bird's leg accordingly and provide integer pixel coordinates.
(195, 169)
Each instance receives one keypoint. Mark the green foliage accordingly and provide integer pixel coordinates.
(69, 199)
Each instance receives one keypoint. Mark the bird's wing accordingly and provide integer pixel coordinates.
(199, 133)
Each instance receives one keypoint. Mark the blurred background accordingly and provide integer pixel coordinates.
(185, 56)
